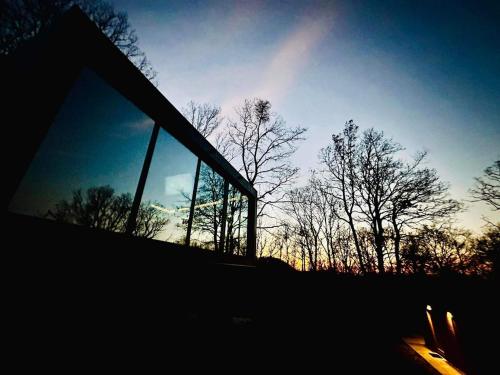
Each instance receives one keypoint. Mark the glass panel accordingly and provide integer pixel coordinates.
(207, 217)
(169, 187)
(87, 168)
(236, 222)
(241, 249)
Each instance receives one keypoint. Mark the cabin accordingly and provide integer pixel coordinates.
(117, 210)
(96, 145)
(124, 226)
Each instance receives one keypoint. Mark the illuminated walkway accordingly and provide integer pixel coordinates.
(439, 364)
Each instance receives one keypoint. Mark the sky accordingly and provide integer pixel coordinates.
(427, 73)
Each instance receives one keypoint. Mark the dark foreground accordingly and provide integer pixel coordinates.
(96, 301)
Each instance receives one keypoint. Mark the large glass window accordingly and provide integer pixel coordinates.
(169, 187)
(237, 206)
(87, 168)
(207, 218)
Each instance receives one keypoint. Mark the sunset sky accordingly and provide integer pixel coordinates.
(427, 73)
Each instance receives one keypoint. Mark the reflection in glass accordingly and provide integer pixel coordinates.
(243, 225)
(236, 223)
(87, 168)
(207, 219)
(169, 186)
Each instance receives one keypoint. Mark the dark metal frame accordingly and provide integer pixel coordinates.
(132, 219)
(54, 60)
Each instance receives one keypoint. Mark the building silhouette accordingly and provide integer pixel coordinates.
(124, 225)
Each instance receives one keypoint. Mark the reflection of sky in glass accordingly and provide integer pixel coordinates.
(178, 183)
(170, 185)
(98, 138)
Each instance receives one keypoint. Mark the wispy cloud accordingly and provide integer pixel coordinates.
(141, 125)
(286, 64)
(292, 56)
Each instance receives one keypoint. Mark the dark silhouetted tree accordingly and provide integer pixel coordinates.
(378, 170)
(100, 208)
(261, 145)
(21, 20)
(205, 118)
(340, 178)
(305, 209)
(487, 187)
(373, 188)
(487, 252)
(207, 219)
(418, 196)
(236, 223)
(439, 249)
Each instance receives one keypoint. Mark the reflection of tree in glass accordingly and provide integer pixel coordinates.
(207, 217)
(99, 207)
(236, 223)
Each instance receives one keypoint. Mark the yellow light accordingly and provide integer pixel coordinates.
(431, 324)
(451, 323)
(208, 204)
(429, 308)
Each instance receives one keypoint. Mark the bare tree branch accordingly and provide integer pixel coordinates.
(205, 118)
(21, 20)
(261, 145)
(487, 188)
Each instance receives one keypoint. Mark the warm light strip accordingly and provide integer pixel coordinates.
(208, 204)
(159, 208)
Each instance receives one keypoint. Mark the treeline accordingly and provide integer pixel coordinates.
(365, 209)
(430, 249)
(368, 210)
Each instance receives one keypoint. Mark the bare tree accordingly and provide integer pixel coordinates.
(340, 178)
(208, 214)
(100, 208)
(437, 249)
(21, 20)
(367, 245)
(402, 193)
(306, 211)
(378, 170)
(149, 223)
(418, 196)
(487, 252)
(327, 209)
(487, 187)
(236, 222)
(377, 190)
(262, 145)
(343, 240)
(204, 117)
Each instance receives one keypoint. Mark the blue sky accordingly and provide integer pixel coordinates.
(427, 73)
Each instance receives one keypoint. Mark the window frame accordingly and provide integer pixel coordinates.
(55, 60)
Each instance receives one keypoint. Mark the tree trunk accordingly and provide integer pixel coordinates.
(380, 255)
(379, 245)
(356, 244)
(397, 242)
